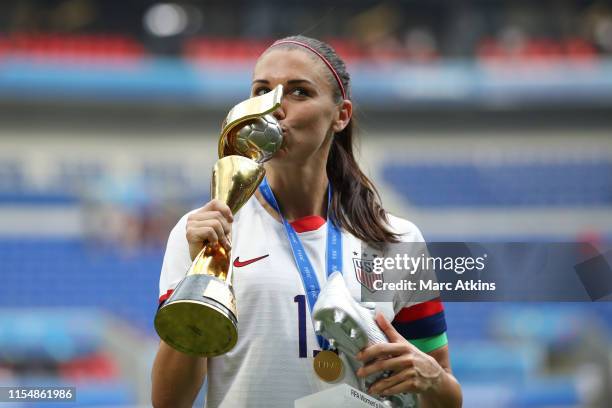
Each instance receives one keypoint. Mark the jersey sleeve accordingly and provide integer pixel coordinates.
(421, 321)
(176, 260)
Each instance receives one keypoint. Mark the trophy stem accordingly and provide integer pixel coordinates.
(235, 179)
(212, 260)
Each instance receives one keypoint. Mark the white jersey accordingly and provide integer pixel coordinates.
(271, 364)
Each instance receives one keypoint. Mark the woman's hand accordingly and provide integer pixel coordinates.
(209, 225)
(412, 370)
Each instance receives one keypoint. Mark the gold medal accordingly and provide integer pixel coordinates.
(328, 366)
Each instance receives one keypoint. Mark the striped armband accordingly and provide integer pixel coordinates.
(430, 343)
(423, 324)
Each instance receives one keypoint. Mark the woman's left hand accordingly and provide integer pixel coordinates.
(412, 370)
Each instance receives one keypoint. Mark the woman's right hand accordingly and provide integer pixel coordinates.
(209, 224)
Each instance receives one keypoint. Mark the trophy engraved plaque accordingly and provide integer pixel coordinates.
(200, 317)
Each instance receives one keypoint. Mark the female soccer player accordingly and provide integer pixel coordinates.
(312, 180)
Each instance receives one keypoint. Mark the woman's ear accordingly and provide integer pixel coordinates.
(345, 112)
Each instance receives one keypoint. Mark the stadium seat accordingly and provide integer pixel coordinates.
(553, 184)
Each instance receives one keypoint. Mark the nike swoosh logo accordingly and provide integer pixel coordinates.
(239, 264)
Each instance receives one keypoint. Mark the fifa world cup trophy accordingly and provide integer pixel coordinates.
(199, 318)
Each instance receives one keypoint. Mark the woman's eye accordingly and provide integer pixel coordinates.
(299, 92)
(260, 91)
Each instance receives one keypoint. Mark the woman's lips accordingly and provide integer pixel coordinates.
(285, 132)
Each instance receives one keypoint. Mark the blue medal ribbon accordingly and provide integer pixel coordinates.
(333, 252)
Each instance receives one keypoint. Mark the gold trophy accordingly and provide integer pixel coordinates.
(200, 316)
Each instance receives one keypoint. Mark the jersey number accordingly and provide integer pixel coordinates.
(303, 345)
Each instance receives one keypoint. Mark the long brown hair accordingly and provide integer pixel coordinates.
(355, 204)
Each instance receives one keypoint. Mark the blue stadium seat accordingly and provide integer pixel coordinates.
(71, 273)
(587, 183)
(491, 362)
(55, 335)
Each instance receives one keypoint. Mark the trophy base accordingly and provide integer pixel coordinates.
(199, 318)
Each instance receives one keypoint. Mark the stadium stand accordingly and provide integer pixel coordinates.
(587, 183)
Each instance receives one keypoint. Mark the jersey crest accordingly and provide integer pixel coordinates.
(364, 270)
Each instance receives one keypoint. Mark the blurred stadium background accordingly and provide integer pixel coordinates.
(479, 120)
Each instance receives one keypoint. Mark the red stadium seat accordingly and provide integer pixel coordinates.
(224, 49)
(76, 48)
(97, 366)
(579, 49)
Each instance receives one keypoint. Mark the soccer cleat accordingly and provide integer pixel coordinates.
(349, 327)
(339, 317)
